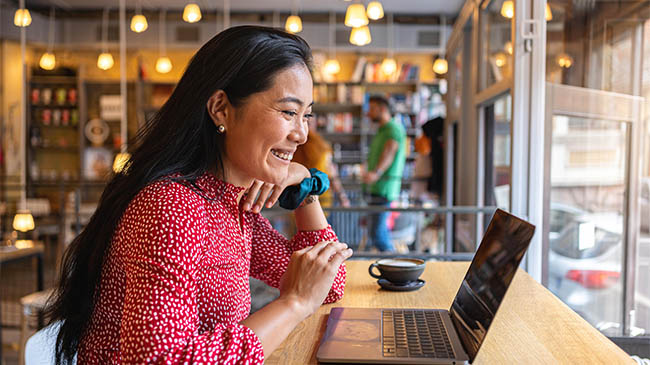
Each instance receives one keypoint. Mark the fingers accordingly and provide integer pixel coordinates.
(274, 197)
(264, 192)
(252, 194)
(328, 251)
(341, 256)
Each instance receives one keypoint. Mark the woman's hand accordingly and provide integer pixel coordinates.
(254, 202)
(310, 275)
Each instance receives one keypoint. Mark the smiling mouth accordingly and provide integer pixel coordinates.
(286, 156)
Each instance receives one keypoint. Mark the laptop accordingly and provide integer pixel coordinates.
(434, 336)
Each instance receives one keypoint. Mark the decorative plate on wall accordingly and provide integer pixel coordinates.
(97, 131)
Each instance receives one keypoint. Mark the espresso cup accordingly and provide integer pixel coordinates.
(398, 271)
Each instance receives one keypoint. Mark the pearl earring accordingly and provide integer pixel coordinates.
(221, 128)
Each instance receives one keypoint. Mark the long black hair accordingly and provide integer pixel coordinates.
(180, 139)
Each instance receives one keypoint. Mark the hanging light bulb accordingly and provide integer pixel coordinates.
(48, 61)
(22, 18)
(293, 24)
(375, 11)
(440, 66)
(508, 47)
(360, 36)
(163, 64)
(192, 13)
(548, 14)
(355, 16)
(120, 160)
(388, 66)
(508, 9)
(332, 67)
(564, 60)
(139, 23)
(105, 61)
(23, 220)
(500, 59)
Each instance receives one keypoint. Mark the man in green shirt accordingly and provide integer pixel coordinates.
(384, 169)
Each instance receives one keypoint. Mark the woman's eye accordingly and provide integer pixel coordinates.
(290, 113)
(309, 116)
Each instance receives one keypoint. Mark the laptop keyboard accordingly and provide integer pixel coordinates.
(415, 333)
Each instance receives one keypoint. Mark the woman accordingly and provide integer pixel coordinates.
(160, 273)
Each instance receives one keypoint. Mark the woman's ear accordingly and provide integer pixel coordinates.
(218, 108)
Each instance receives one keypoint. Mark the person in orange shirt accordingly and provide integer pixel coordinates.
(317, 153)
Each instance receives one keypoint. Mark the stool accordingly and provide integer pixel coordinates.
(32, 304)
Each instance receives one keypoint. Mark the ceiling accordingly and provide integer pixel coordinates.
(446, 7)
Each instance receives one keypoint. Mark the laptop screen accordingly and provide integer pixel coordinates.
(488, 278)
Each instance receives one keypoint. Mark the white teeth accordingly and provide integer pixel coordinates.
(282, 155)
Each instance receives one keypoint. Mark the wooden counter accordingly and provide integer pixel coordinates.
(532, 326)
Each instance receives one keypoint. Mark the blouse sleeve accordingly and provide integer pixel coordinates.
(164, 231)
(271, 253)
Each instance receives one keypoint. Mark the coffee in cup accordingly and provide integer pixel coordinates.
(399, 271)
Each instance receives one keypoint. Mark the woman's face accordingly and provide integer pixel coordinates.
(263, 133)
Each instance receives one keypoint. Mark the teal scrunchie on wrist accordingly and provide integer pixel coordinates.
(292, 196)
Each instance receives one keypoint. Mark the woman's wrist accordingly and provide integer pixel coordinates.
(296, 306)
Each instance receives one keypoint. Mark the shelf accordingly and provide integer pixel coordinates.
(41, 79)
(347, 160)
(336, 106)
(54, 106)
(71, 149)
(52, 126)
(363, 83)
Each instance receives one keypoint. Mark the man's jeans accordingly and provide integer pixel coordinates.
(378, 229)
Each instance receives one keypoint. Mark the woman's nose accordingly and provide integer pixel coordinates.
(299, 132)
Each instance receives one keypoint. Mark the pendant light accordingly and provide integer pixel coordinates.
(440, 65)
(508, 48)
(23, 220)
(294, 23)
(500, 59)
(508, 9)
(122, 158)
(564, 60)
(48, 60)
(375, 11)
(360, 36)
(332, 66)
(191, 13)
(548, 15)
(355, 16)
(22, 18)
(163, 63)
(105, 60)
(389, 66)
(138, 21)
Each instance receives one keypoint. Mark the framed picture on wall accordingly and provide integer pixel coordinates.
(98, 162)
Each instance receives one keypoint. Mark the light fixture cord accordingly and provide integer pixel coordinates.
(162, 37)
(105, 30)
(138, 7)
(332, 34)
(50, 41)
(23, 115)
(226, 14)
(390, 35)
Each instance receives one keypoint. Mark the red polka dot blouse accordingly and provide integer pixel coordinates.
(174, 285)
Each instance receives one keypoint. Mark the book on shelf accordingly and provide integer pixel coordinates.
(358, 69)
(340, 94)
(372, 72)
(335, 122)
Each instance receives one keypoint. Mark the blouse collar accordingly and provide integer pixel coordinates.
(219, 189)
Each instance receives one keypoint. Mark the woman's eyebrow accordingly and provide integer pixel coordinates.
(290, 99)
